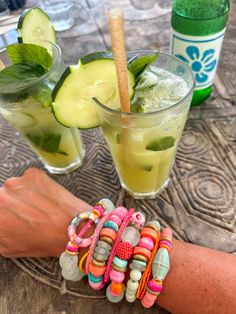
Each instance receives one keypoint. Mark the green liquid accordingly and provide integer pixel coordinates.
(143, 147)
(140, 170)
(57, 146)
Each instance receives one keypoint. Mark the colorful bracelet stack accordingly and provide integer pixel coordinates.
(119, 240)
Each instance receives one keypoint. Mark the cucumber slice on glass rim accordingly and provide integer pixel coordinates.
(35, 26)
(93, 76)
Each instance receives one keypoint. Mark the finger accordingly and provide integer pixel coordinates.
(32, 173)
(13, 182)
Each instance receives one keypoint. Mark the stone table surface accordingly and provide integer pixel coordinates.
(199, 204)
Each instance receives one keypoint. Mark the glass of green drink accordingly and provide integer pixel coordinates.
(28, 109)
(143, 143)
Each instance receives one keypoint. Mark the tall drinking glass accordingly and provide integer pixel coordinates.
(143, 145)
(28, 109)
(60, 12)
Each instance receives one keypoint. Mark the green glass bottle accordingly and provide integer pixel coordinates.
(198, 28)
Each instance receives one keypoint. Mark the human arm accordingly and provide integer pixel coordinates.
(200, 281)
(34, 215)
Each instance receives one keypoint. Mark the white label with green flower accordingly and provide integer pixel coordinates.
(202, 53)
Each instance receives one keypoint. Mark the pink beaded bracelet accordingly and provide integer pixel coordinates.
(107, 237)
(130, 238)
(94, 241)
(69, 259)
(118, 239)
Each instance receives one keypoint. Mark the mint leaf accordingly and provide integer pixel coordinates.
(15, 97)
(62, 153)
(43, 93)
(138, 105)
(48, 142)
(161, 144)
(117, 137)
(138, 65)
(25, 53)
(147, 168)
(16, 75)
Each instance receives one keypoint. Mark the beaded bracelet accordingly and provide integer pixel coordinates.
(94, 241)
(160, 268)
(107, 237)
(152, 230)
(81, 262)
(69, 259)
(118, 237)
(129, 239)
(141, 255)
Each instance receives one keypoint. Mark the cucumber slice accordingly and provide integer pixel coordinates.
(34, 25)
(92, 77)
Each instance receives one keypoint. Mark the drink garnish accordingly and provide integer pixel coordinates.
(161, 144)
(48, 142)
(138, 65)
(27, 53)
(16, 75)
(147, 168)
(138, 105)
(34, 25)
(73, 103)
(29, 63)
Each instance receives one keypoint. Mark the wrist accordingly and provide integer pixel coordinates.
(68, 210)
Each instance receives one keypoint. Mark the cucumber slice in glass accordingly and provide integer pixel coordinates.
(35, 26)
(95, 76)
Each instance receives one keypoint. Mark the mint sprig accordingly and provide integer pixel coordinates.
(16, 75)
(48, 142)
(161, 143)
(138, 65)
(28, 53)
(147, 168)
(43, 93)
(138, 105)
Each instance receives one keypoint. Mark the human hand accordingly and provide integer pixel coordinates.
(34, 215)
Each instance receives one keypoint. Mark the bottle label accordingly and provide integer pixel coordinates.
(202, 53)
